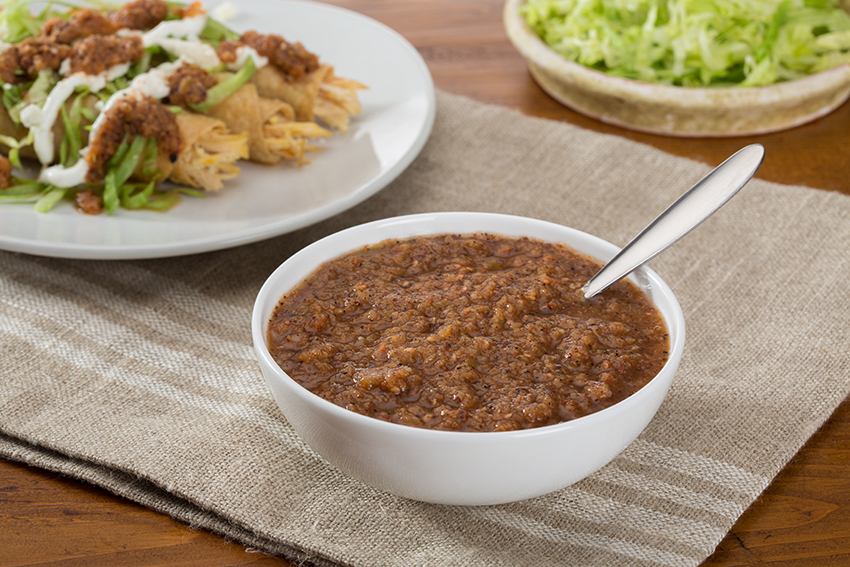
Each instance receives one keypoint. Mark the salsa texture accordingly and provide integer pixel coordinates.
(472, 332)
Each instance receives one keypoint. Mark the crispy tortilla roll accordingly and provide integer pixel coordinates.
(300, 93)
(337, 101)
(272, 134)
(209, 153)
(289, 139)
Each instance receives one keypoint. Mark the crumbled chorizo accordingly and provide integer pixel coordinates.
(130, 118)
(8, 65)
(88, 203)
(292, 59)
(82, 23)
(140, 14)
(32, 55)
(5, 173)
(97, 53)
(189, 85)
(448, 332)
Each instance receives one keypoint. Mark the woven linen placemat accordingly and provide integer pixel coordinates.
(139, 376)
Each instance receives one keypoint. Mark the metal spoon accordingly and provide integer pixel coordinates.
(689, 210)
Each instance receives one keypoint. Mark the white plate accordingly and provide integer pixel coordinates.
(398, 113)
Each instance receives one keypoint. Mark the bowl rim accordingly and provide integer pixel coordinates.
(269, 291)
(535, 50)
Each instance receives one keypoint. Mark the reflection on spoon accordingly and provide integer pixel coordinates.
(689, 210)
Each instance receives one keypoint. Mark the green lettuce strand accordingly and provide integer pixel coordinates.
(110, 193)
(63, 146)
(22, 190)
(12, 94)
(143, 65)
(72, 141)
(15, 147)
(226, 87)
(191, 192)
(17, 22)
(215, 32)
(128, 165)
(88, 114)
(119, 169)
(15, 157)
(149, 158)
(49, 199)
(139, 199)
(162, 202)
(37, 93)
(119, 154)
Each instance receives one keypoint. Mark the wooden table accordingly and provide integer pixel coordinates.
(803, 519)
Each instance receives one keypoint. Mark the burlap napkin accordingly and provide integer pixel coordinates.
(140, 377)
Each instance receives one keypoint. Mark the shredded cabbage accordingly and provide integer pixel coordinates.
(696, 43)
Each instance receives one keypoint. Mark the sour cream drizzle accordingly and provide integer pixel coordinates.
(180, 38)
(242, 54)
(188, 28)
(196, 52)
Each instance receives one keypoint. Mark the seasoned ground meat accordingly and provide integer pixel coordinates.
(293, 60)
(32, 55)
(82, 23)
(189, 85)
(132, 117)
(468, 333)
(97, 53)
(5, 173)
(140, 15)
(9, 62)
(88, 203)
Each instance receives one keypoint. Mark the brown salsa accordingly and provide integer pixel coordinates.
(467, 333)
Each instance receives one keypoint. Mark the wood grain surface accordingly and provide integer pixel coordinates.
(802, 519)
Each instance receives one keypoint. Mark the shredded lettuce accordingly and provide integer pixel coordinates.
(119, 169)
(52, 196)
(226, 87)
(215, 32)
(15, 147)
(696, 43)
(23, 190)
(37, 93)
(16, 21)
(12, 94)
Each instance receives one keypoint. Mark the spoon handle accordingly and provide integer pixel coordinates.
(689, 210)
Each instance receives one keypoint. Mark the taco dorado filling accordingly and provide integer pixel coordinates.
(111, 103)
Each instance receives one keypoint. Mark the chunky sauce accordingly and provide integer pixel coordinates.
(467, 333)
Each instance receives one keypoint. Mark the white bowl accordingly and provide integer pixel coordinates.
(460, 468)
(676, 111)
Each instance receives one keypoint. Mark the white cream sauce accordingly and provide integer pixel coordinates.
(197, 52)
(187, 28)
(243, 53)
